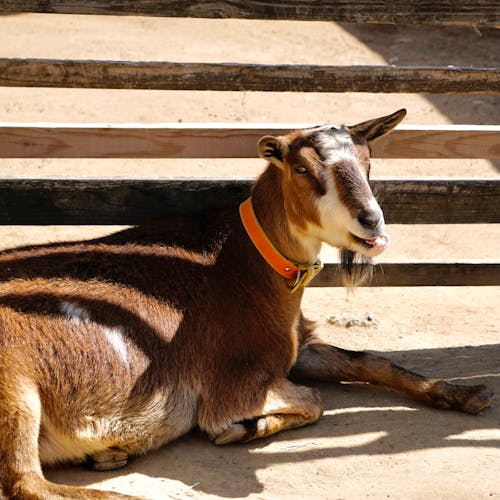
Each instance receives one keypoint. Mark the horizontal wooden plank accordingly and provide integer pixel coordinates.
(173, 140)
(454, 12)
(111, 201)
(126, 201)
(245, 77)
(439, 201)
(421, 274)
(443, 141)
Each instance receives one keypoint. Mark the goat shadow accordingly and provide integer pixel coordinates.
(350, 410)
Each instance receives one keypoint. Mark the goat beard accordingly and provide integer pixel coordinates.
(355, 268)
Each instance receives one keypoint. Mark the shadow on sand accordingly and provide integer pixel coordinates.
(403, 45)
(350, 410)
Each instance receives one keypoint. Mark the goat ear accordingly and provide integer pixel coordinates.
(273, 149)
(373, 129)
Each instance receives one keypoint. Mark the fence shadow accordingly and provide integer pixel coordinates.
(408, 45)
(404, 45)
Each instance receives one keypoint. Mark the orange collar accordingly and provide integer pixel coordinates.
(299, 274)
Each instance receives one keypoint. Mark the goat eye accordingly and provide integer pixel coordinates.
(301, 170)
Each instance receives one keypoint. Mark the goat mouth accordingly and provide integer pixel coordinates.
(378, 243)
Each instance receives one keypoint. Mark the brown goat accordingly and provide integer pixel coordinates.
(110, 350)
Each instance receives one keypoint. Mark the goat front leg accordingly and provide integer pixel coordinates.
(287, 406)
(318, 361)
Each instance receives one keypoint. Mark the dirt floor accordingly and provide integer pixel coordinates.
(370, 443)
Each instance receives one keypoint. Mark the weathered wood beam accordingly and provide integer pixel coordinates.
(127, 201)
(245, 77)
(461, 273)
(174, 140)
(439, 201)
(447, 12)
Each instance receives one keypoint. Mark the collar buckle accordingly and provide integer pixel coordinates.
(304, 275)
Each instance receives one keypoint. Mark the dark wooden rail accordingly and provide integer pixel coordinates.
(447, 12)
(126, 201)
(132, 201)
(451, 273)
(246, 77)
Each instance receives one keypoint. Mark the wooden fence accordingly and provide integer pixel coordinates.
(126, 201)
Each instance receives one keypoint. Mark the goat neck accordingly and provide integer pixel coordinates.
(270, 209)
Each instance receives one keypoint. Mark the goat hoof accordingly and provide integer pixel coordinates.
(233, 434)
(479, 399)
(109, 459)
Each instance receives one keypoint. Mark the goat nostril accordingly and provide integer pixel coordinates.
(370, 220)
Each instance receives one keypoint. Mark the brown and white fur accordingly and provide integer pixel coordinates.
(110, 350)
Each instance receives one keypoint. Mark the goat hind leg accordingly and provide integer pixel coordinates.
(20, 409)
(325, 362)
(21, 474)
(287, 406)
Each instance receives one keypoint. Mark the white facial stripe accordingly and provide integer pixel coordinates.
(334, 217)
(335, 147)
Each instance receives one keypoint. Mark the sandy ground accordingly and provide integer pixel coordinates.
(371, 443)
